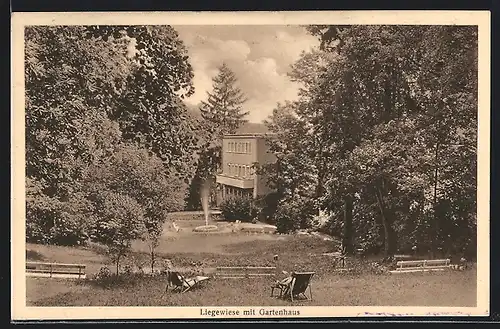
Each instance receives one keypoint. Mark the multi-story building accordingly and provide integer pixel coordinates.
(239, 154)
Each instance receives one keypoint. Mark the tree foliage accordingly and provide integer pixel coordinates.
(140, 175)
(387, 115)
(223, 109)
(105, 118)
(119, 221)
(151, 111)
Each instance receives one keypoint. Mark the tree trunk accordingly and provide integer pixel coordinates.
(152, 260)
(389, 233)
(347, 235)
(118, 264)
(319, 186)
(435, 222)
(393, 238)
(381, 229)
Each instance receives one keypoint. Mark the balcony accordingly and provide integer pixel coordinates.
(240, 182)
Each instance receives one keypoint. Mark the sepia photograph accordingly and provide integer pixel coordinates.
(250, 165)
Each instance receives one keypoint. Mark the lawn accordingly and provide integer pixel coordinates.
(436, 289)
(205, 251)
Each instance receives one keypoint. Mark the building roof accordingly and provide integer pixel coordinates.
(251, 129)
(237, 136)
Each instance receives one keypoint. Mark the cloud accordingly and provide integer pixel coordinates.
(260, 56)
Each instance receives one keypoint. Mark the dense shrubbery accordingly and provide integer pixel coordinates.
(294, 214)
(238, 208)
(50, 220)
(267, 206)
(287, 217)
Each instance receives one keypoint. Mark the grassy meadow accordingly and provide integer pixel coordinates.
(198, 252)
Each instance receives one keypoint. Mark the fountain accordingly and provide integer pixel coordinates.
(205, 196)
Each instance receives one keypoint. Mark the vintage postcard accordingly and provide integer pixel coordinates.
(250, 165)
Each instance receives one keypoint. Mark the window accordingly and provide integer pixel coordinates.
(246, 147)
(249, 148)
(239, 171)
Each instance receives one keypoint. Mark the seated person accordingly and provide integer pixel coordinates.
(284, 284)
(286, 280)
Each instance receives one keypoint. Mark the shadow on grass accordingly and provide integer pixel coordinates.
(33, 255)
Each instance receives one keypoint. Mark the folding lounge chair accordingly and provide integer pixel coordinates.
(294, 286)
(182, 284)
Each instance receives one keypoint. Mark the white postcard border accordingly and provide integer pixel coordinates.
(19, 311)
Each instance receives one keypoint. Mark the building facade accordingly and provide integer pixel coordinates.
(238, 177)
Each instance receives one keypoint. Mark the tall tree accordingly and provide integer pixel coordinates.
(403, 75)
(223, 109)
(290, 175)
(72, 84)
(393, 116)
(88, 89)
(221, 113)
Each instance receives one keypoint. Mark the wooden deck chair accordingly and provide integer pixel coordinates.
(181, 283)
(296, 286)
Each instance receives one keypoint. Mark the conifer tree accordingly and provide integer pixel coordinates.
(223, 109)
(222, 113)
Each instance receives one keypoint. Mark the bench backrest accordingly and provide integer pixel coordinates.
(423, 263)
(56, 268)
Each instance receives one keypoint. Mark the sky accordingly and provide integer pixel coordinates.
(260, 57)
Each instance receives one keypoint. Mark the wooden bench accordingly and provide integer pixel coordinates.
(236, 272)
(55, 270)
(407, 266)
